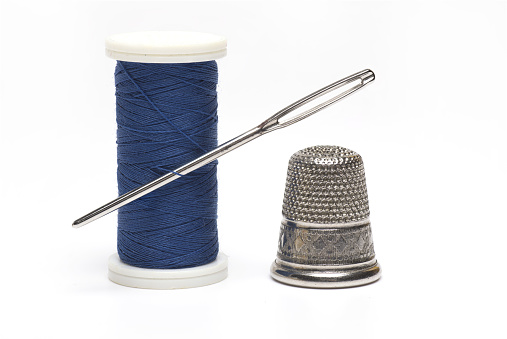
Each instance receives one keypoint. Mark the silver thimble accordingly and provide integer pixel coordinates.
(325, 236)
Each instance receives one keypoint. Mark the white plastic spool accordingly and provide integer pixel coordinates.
(166, 47)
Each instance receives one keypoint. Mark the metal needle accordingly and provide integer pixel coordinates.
(271, 124)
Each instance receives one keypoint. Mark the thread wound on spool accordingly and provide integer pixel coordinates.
(167, 116)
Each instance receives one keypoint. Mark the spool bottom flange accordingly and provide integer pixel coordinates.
(325, 277)
(167, 279)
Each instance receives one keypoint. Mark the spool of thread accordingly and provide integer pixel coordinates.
(166, 114)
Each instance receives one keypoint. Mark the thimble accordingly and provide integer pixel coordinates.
(325, 236)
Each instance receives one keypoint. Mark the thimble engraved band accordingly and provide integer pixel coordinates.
(325, 245)
(325, 235)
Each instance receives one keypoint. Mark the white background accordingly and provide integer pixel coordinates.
(431, 130)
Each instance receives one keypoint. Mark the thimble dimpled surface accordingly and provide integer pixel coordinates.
(325, 184)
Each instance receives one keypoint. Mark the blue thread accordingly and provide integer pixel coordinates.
(167, 116)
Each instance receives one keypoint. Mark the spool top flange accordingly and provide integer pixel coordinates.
(166, 47)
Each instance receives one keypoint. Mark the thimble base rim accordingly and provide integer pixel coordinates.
(339, 277)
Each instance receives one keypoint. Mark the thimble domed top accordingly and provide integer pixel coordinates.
(327, 156)
(325, 184)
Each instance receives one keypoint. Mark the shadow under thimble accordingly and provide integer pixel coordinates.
(325, 236)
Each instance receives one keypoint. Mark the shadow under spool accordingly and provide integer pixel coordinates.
(161, 48)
